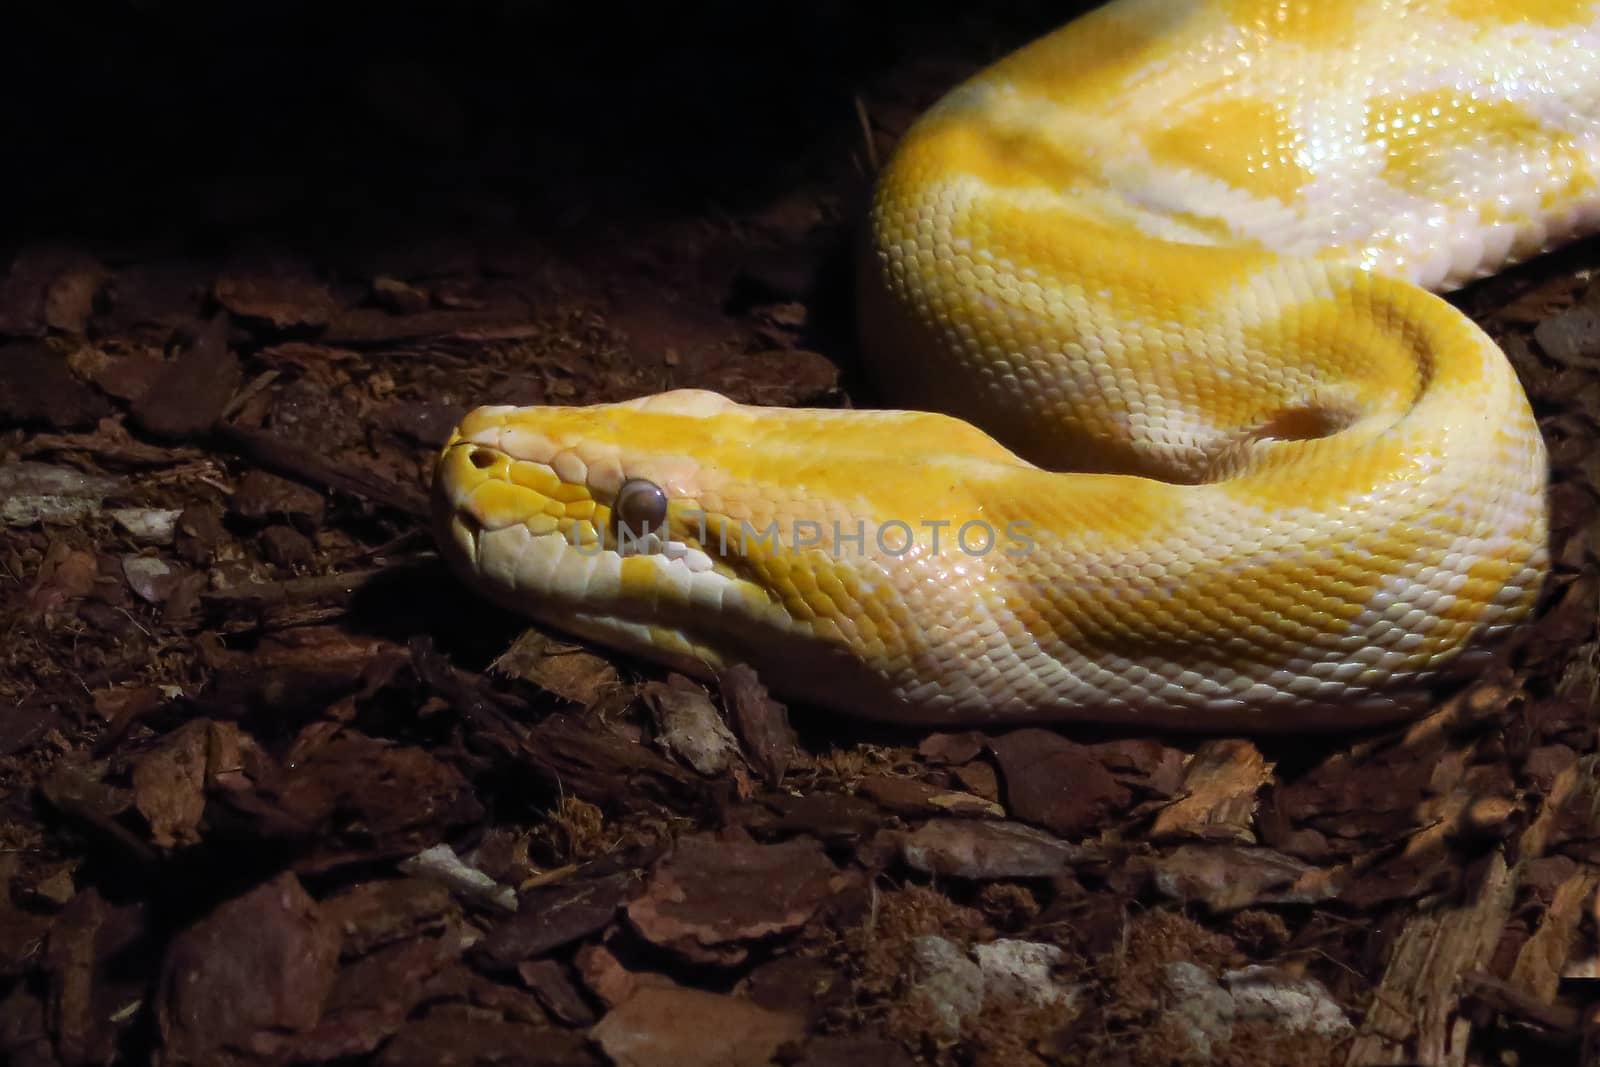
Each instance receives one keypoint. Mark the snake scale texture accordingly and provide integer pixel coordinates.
(1189, 441)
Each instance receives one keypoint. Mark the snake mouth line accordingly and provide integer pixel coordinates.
(683, 612)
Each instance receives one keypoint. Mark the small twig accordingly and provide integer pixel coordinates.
(866, 134)
(243, 396)
(1501, 996)
(312, 467)
(296, 590)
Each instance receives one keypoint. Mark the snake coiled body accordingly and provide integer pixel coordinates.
(1208, 453)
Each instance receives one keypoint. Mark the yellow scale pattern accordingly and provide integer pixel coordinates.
(1207, 451)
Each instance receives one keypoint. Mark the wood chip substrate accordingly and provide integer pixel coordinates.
(276, 789)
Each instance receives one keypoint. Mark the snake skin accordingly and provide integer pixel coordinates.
(1237, 467)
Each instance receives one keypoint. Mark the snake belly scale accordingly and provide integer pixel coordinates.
(1188, 439)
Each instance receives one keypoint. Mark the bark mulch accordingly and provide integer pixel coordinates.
(274, 788)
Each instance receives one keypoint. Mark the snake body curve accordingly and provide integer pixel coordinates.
(1209, 454)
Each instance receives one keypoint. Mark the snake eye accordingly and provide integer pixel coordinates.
(641, 505)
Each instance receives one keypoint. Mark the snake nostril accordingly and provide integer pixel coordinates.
(482, 458)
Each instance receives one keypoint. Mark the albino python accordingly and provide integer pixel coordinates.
(1245, 471)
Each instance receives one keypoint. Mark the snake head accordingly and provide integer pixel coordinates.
(696, 532)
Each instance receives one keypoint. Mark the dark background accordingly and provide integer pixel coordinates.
(137, 119)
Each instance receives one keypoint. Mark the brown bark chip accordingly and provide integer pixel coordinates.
(549, 981)
(191, 394)
(549, 917)
(37, 388)
(170, 781)
(448, 1039)
(280, 301)
(69, 301)
(907, 796)
(375, 797)
(1227, 878)
(761, 722)
(568, 671)
(712, 897)
(1220, 787)
(668, 1027)
(260, 964)
(982, 851)
(72, 959)
(1057, 783)
(262, 496)
(689, 726)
